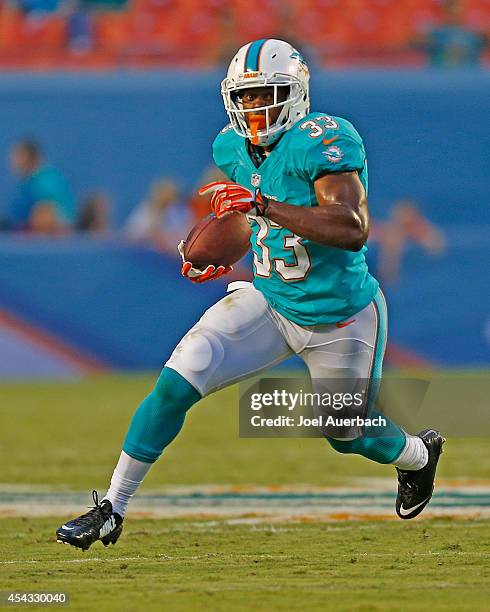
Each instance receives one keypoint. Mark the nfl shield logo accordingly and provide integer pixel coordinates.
(255, 180)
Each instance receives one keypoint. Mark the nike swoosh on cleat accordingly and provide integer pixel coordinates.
(404, 512)
(66, 527)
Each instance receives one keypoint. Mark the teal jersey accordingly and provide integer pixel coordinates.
(308, 283)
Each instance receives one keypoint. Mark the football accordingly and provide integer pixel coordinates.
(220, 242)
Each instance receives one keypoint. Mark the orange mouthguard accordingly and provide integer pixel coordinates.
(256, 123)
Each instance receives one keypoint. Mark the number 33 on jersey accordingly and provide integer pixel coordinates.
(308, 283)
(265, 263)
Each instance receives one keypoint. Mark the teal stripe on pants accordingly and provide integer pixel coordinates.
(379, 349)
(382, 445)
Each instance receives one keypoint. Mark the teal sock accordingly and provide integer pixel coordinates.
(382, 445)
(160, 416)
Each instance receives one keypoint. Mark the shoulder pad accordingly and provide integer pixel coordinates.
(316, 125)
(325, 143)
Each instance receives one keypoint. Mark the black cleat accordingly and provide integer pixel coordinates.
(100, 523)
(415, 487)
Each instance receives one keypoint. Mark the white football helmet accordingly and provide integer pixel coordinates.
(265, 63)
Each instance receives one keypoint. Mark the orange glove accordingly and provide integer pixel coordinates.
(228, 196)
(200, 276)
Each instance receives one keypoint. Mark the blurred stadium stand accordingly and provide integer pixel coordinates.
(100, 304)
(79, 305)
(427, 132)
(78, 34)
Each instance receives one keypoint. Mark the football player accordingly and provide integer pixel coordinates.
(301, 178)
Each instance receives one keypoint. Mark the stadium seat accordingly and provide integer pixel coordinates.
(10, 29)
(198, 31)
(155, 5)
(252, 23)
(384, 29)
(324, 33)
(46, 33)
(424, 15)
(477, 15)
(151, 36)
(316, 5)
(206, 32)
(143, 27)
(110, 31)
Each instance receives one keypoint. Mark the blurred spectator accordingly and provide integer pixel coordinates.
(51, 6)
(162, 219)
(406, 224)
(106, 4)
(452, 44)
(38, 6)
(79, 26)
(43, 202)
(94, 214)
(200, 205)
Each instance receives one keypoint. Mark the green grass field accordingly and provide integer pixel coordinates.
(203, 565)
(66, 437)
(69, 435)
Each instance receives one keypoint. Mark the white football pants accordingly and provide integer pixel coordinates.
(241, 335)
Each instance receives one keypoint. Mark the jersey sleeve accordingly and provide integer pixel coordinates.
(337, 149)
(223, 152)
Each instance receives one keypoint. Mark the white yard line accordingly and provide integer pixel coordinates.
(86, 559)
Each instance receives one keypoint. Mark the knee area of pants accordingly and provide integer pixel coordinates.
(198, 351)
